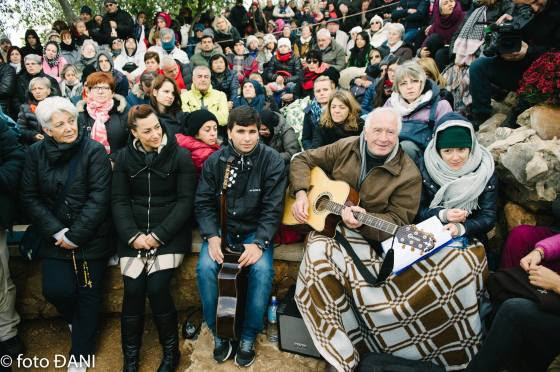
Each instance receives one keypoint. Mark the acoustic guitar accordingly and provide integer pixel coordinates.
(327, 198)
(232, 280)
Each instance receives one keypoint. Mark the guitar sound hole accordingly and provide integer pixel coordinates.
(322, 203)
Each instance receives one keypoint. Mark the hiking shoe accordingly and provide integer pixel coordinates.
(222, 349)
(245, 355)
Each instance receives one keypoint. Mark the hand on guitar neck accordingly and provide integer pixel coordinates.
(301, 207)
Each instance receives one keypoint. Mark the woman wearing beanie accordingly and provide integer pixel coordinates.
(459, 184)
(200, 138)
(53, 62)
(252, 94)
(285, 70)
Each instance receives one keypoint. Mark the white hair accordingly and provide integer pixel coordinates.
(52, 105)
(382, 111)
(397, 27)
(324, 32)
(201, 67)
(167, 62)
(33, 58)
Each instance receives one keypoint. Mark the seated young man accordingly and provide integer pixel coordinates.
(254, 207)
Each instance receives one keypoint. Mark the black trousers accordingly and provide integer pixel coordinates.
(156, 286)
(79, 306)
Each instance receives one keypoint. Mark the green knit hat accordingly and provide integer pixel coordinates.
(454, 137)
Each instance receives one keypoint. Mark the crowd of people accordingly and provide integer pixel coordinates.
(116, 131)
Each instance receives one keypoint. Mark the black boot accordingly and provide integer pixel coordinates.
(169, 339)
(132, 327)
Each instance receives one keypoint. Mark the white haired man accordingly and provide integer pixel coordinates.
(332, 52)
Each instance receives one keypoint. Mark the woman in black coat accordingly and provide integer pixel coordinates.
(165, 99)
(65, 191)
(152, 201)
(103, 113)
(7, 85)
(31, 131)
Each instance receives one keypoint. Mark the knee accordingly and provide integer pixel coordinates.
(206, 267)
(263, 270)
(515, 310)
(158, 288)
(56, 292)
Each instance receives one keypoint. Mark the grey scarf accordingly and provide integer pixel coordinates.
(459, 189)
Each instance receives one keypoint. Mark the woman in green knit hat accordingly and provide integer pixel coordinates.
(459, 184)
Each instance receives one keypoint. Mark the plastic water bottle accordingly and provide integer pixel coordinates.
(272, 329)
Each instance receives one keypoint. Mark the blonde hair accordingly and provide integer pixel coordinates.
(431, 69)
(351, 122)
(215, 23)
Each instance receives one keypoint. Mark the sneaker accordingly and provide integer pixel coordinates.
(245, 355)
(222, 349)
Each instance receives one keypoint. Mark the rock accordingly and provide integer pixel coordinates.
(528, 165)
(517, 215)
(506, 105)
(487, 131)
(269, 357)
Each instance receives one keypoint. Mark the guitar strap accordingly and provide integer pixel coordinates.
(223, 205)
(386, 266)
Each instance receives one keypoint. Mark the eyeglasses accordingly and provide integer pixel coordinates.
(100, 89)
(315, 61)
(109, 5)
(375, 23)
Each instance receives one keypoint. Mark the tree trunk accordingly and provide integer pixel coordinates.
(69, 14)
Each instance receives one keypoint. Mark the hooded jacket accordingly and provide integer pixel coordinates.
(199, 150)
(258, 103)
(7, 85)
(125, 26)
(123, 60)
(28, 49)
(283, 139)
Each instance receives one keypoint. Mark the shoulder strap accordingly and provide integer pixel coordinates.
(386, 266)
(433, 113)
(71, 173)
(223, 204)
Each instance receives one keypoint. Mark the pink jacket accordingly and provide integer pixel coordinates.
(551, 247)
(55, 71)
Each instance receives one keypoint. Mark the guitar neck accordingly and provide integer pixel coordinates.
(366, 219)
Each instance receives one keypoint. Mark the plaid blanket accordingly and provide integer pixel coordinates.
(429, 312)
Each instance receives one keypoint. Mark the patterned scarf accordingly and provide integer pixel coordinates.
(461, 188)
(470, 38)
(52, 62)
(316, 112)
(100, 113)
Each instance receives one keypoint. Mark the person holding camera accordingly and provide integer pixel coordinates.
(536, 26)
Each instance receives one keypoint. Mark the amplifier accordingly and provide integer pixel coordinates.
(293, 336)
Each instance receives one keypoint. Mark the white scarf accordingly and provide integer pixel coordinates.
(394, 48)
(461, 188)
(403, 107)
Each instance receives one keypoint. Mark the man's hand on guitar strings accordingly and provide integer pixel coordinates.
(250, 255)
(301, 206)
(348, 216)
(215, 249)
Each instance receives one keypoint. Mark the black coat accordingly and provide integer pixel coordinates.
(293, 66)
(415, 20)
(323, 136)
(85, 210)
(125, 26)
(22, 87)
(28, 124)
(226, 40)
(173, 123)
(117, 129)
(154, 193)
(7, 86)
(481, 221)
(12, 157)
(254, 201)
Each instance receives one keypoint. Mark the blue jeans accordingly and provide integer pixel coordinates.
(519, 330)
(411, 34)
(259, 285)
(485, 71)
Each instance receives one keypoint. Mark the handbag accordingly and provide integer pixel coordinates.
(514, 283)
(32, 242)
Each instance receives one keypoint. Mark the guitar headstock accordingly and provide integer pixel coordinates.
(415, 238)
(229, 175)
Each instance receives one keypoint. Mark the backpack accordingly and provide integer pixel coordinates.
(294, 114)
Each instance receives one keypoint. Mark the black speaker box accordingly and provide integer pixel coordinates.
(293, 336)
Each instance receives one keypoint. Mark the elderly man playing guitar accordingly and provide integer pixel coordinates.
(350, 300)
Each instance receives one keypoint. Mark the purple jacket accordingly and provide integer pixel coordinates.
(551, 247)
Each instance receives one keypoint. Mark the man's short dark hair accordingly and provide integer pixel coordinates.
(243, 116)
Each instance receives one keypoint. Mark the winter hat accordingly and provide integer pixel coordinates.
(269, 118)
(168, 46)
(198, 27)
(333, 74)
(208, 33)
(196, 120)
(86, 10)
(356, 30)
(284, 41)
(454, 137)
(250, 39)
(376, 18)
(279, 24)
(269, 38)
(52, 33)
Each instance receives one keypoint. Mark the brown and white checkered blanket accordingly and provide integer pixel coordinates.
(429, 312)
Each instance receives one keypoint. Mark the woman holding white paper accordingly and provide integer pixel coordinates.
(458, 181)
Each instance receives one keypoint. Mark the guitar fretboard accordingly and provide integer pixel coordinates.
(366, 219)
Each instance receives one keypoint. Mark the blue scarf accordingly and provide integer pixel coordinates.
(316, 112)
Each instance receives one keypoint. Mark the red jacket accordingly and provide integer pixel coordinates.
(200, 151)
